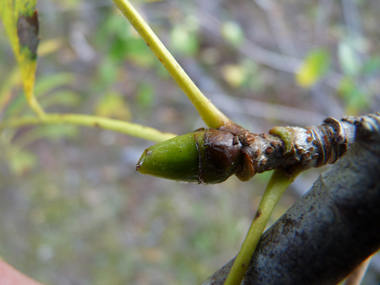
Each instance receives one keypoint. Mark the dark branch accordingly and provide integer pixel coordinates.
(331, 229)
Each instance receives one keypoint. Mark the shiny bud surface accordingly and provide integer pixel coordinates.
(203, 156)
(175, 159)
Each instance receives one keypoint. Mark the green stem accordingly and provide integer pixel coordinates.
(36, 107)
(279, 181)
(92, 121)
(209, 113)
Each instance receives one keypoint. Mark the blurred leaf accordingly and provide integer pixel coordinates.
(114, 24)
(315, 65)
(118, 48)
(21, 24)
(14, 78)
(62, 97)
(118, 41)
(68, 5)
(43, 85)
(49, 46)
(372, 65)
(184, 40)
(108, 70)
(357, 103)
(47, 83)
(113, 106)
(203, 241)
(162, 72)
(15, 107)
(235, 75)
(139, 53)
(346, 86)
(57, 132)
(254, 80)
(145, 95)
(52, 132)
(20, 161)
(232, 32)
(354, 97)
(348, 59)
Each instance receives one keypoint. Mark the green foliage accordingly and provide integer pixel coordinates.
(145, 95)
(49, 83)
(184, 37)
(62, 98)
(371, 66)
(232, 32)
(348, 58)
(56, 133)
(354, 96)
(107, 72)
(119, 41)
(21, 161)
(354, 93)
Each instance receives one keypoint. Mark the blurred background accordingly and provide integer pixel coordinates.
(73, 210)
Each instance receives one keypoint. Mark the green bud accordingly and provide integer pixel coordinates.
(203, 156)
(176, 159)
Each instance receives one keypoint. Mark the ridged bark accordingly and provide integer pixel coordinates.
(332, 228)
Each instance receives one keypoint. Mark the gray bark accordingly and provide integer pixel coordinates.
(331, 229)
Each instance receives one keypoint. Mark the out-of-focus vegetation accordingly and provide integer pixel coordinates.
(72, 208)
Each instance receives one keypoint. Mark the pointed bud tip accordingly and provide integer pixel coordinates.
(175, 159)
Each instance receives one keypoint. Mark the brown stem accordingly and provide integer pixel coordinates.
(289, 147)
(332, 229)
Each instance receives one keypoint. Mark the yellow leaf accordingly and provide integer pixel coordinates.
(313, 68)
(49, 46)
(235, 75)
(113, 106)
(14, 76)
(21, 24)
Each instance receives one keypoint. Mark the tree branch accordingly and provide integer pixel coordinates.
(331, 229)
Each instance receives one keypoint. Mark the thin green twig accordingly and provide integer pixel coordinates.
(279, 181)
(92, 121)
(209, 113)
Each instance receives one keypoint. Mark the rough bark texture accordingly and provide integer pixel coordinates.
(331, 229)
